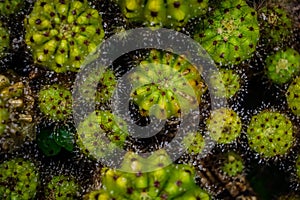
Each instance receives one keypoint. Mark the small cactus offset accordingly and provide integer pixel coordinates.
(4, 40)
(55, 102)
(18, 179)
(224, 125)
(160, 13)
(62, 33)
(62, 188)
(270, 134)
(282, 66)
(232, 164)
(231, 34)
(101, 133)
(170, 82)
(293, 96)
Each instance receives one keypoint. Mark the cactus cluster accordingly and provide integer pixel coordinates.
(62, 33)
(55, 102)
(282, 66)
(62, 188)
(4, 40)
(270, 134)
(16, 113)
(101, 133)
(174, 181)
(170, 13)
(166, 85)
(292, 96)
(224, 125)
(18, 179)
(231, 34)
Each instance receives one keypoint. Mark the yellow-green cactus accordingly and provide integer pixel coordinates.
(166, 85)
(224, 125)
(4, 40)
(18, 179)
(62, 33)
(231, 34)
(282, 66)
(8, 7)
(232, 164)
(270, 134)
(293, 96)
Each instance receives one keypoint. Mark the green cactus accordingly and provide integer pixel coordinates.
(62, 33)
(159, 13)
(61, 188)
(224, 125)
(18, 179)
(55, 102)
(225, 83)
(231, 34)
(282, 66)
(166, 85)
(100, 133)
(275, 24)
(8, 7)
(194, 142)
(4, 116)
(165, 182)
(233, 164)
(292, 96)
(270, 134)
(4, 40)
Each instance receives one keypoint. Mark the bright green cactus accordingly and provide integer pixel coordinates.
(4, 116)
(292, 96)
(100, 133)
(282, 66)
(55, 102)
(233, 164)
(270, 134)
(18, 179)
(194, 142)
(104, 83)
(166, 85)
(4, 40)
(8, 7)
(275, 24)
(170, 13)
(231, 34)
(225, 83)
(62, 188)
(224, 125)
(62, 33)
(165, 182)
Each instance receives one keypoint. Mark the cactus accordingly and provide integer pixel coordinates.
(194, 143)
(270, 134)
(233, 164)
(226, 83)
(4, 40)
(61, 188)
(61, 34)
(171, 182)
(160, 13)
(8, 7)
(282, 66)
(275, 24)
(100, 133)
(224, 125)
(55, 102)
(166, 85)
(231, 34)
(292, 96)
(18, 179)
(297, 166)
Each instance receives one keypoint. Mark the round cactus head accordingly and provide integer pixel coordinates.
(19, 179)
(233, 164)
(231, 34)
(62, 187)
(8, 7)
(270, 134)
(282, 66)
(61, 34)
(293, 96)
